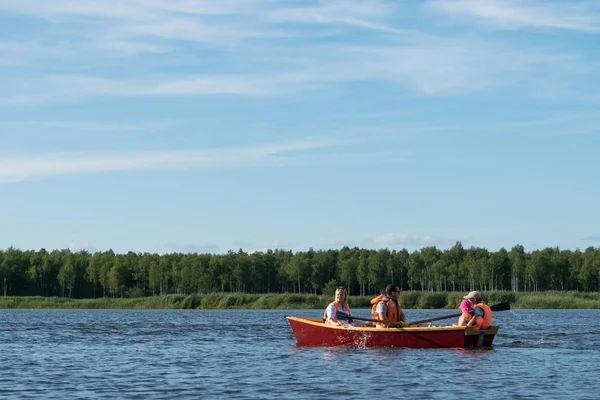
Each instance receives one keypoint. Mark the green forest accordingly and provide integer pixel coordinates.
(81, 274)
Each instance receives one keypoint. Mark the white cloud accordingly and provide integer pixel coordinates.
(402, 239)
(168, 246)
(261, 250)
(333, 242)
(242, 243)
(274, 245)
(50, 165)
(389, 240)
(512, 14)
(84, 246)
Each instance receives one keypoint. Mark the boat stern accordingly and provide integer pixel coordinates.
(480, 338)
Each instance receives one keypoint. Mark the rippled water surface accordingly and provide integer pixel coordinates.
(141, 354)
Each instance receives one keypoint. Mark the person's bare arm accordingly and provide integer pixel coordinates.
(477, 312)
(401, 316)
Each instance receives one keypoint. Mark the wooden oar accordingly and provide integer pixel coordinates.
(495, 307)
(434, 319)
(348, 317)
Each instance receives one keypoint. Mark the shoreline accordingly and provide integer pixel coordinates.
(270, 301)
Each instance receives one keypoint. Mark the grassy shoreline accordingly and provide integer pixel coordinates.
(409, 300)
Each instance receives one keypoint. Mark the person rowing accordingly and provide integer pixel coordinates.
(339, 304)
(482, 313)
(386, 308)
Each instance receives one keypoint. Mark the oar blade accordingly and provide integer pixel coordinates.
(500, 307)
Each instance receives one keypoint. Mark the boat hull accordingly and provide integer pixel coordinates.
(313, 332)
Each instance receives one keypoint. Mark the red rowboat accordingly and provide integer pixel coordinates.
(313, 332)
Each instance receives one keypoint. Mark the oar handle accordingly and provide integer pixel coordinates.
(343, 315)
(348, 317)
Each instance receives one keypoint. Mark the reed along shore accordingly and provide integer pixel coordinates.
(408, 299)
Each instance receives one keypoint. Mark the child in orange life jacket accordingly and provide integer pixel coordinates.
(467, 312)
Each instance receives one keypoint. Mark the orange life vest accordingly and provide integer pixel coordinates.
(485, 321)
(337, 308)
(392, 309)
(466, 317)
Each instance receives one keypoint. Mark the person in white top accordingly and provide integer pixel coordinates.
(339, 304)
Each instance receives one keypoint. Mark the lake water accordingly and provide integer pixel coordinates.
(243, 354)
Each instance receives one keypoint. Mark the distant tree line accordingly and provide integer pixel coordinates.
(85, 275)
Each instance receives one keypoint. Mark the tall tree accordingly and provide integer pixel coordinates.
(538, 268)
(587, 274)
(430, 256)
(399, 269)
(347, 265)
(117, 276)
(297, 269)
(377, 270)
(8, 266)
(416, 268)
(518, 260)
(66, 275)
(362, 271)
(499, 270)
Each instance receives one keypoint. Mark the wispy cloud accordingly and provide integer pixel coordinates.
(207, 21)
(45, 166)
(433, 68)
(66, 55)
(592, 238)
(271, 39)
(85, 126)
(364, 14)
(558, 125)
(46, 89)
(129, 9)
(513, 14)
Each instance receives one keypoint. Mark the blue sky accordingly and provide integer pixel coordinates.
(165, 125)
